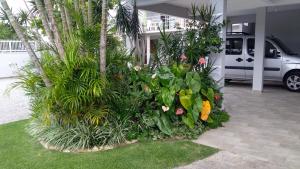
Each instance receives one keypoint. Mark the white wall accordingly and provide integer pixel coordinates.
(9, 61)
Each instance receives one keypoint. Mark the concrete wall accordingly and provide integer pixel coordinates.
(11, 61)
(284, 24)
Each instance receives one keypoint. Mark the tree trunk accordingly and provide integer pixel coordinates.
(36, 34)
(76, 5)
(45, 22)
(53, 25)
(103, 38)
(90, 12)
(69, 20)
(63, 20)
(22, 37)
(83, 11)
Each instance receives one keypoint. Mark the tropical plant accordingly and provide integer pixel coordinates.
(127, 22)
(6, 32)
(180, 90)
(103, 37)
(86, 91)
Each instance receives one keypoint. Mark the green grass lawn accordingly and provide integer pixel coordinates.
(19, 151)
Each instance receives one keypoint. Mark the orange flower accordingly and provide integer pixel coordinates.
(206, 110)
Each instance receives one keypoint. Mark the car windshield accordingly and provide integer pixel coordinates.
(283, 46)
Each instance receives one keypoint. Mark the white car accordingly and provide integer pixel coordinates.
(280, 63)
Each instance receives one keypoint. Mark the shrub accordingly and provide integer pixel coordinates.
(83, 109)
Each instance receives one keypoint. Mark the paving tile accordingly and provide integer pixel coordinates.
(263, 133)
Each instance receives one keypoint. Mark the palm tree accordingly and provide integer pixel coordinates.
(45, 21)
(53, 26)
(90, 12)
(63, 19)
(68, 17)
(127, 22)
(135, 29)
(24, 40)
(23, 17)
(103, 38)
(83, 11)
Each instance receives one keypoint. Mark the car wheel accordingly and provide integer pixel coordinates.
(292, 81)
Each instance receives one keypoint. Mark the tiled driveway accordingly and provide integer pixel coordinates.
(263, 133)
(13, 105)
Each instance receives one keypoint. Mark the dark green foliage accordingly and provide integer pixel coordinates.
(7, 32)
(77, 110)
(199, 40)
(218, 118)
(83, 108)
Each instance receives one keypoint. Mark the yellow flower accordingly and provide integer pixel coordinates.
(206, 109)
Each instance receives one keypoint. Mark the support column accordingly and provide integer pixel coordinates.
(219, 73)
(148, 44)
(260, 36)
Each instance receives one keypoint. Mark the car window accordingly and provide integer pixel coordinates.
(270, 49)
(234, 46)
(250, 47)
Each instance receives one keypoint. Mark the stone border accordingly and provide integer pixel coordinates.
(94, 149)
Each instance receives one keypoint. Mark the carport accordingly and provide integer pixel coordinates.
(238, 11)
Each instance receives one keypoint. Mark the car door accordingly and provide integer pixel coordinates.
(272, 60)
(234, 59)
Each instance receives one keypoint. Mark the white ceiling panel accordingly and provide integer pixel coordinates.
(235, 7)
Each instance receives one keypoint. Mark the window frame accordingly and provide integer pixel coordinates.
(266, 41)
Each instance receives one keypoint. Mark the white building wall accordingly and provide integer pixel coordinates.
(11, 61)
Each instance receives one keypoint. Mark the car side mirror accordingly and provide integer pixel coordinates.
(276, 53)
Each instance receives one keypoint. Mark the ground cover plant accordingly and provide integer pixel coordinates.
(87, 91)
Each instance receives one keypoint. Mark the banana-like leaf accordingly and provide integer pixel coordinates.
(185, 97)
(188, 120)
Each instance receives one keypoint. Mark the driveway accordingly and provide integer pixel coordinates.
(263, 133)
(13, 105)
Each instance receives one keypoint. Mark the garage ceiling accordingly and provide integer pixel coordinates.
(235, 7)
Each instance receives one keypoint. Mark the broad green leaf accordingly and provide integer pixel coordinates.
(193, 75)
(210, 96)
(197, 107)
(203, 92)
(185, 97)
(164, 124)
(188, 120)
(178, 84)
(195, 86)
(210, 120)
(167, 96)
(165, 76)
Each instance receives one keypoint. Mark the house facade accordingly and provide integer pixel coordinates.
(261, 18)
